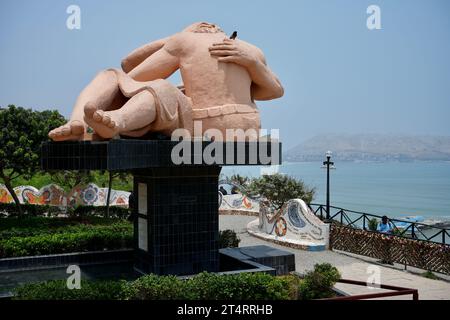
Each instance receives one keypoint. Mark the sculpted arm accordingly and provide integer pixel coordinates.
(160, 65)
(265, 85)
(140, 54)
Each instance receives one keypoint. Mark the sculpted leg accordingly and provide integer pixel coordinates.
(139, 112)
(102, 93)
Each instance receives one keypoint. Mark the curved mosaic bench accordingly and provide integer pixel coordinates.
(294, 225)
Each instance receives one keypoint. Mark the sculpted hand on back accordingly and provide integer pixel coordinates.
(222, 78)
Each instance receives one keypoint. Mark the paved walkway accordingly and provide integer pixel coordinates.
(350, 267)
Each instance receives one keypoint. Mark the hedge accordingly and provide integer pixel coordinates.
(74, 238)
(57, 290)
(205, 286)
(40, 210)
(43, 235)
(316, 284)
(114, 211)
(210, 286)
(28, 209)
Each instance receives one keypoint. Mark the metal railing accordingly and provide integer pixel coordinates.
(396, 291)
(401, 228)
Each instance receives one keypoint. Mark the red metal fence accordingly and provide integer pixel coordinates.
(396, 291)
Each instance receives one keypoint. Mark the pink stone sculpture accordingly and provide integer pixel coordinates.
(222, 77)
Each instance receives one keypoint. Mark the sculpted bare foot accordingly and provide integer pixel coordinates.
(71, 131)
(101, 121)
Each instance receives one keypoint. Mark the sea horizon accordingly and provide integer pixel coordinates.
(393, 188)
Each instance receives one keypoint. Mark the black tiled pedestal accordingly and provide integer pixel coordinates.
(175, 207)
(176, 227)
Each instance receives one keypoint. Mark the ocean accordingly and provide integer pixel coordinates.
(395, 189)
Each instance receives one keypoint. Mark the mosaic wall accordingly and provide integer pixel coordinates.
(237, 202)
(90, 195)
(293, 221)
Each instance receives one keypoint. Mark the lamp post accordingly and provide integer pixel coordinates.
(329, 165)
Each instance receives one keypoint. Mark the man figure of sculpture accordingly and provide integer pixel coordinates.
(222, 77)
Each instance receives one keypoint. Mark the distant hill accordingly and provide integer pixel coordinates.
(371, 147)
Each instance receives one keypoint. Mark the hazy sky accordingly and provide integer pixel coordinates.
(338, 75)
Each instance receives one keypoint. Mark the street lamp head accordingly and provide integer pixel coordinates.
(328, 154)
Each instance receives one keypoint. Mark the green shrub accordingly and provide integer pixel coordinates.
(373, 224)
(400, 232)
(243, 286)
(205, 286)
(318, 284)
(57, 290)
(114, 211)
(210, 286)
(228, 239)
(74, 238)
(37, 225)
(430, 275)
(30, 222)
(239, 180)
(28, 209)
(36, 210)
(279, 188)
(153, 287)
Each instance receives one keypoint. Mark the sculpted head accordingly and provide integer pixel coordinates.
(203, 27)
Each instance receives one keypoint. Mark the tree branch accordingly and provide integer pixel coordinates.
(12, 178)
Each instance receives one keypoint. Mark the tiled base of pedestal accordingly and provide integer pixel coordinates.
(176, 220)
